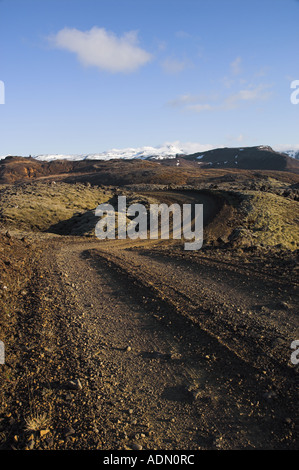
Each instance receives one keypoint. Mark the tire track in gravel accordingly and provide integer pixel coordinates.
(222, 300)
(175, 360)
(152, 341)
(179, 381)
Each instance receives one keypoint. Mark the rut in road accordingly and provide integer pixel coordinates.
(158, 372)
(220, 299)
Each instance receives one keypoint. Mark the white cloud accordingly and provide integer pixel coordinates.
(240, 138)
(232, 140)
(236, 66)
(258, 93)
(183, 100)
(196, 103)
(200, 107)
(285, 147)
(201, 103)
(183, 34)
(193, 147)
(189, 101)
(103, 49)
(173, 66)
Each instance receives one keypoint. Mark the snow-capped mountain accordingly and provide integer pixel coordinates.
(291, 152)
(167, 150)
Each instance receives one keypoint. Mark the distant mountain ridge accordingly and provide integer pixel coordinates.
(169, 164)
(261, 157)
(165, 151)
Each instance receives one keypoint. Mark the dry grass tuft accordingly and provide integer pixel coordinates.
(37, 422)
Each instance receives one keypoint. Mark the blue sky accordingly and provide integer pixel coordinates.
(85, 76)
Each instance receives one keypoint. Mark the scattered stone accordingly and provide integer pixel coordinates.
(30, 444)
(136, 446)
(49, 441)
(68, 431)
(283, 305)
(269, 395)
(218, 442)
(175, 356)
(75, 384)
(195, 394)
(278, 342)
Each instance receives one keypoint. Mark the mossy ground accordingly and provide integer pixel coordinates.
(270, 220)
(39, 206)
(267, 218)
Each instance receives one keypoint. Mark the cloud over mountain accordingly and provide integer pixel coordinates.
(103, 49)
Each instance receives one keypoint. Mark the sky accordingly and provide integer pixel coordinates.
(86, 76)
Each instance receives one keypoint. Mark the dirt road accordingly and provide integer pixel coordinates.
(134, 347)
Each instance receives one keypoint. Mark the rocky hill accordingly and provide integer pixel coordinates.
(177, 169)
(254, 158)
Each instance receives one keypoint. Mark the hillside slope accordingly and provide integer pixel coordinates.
(250, 158)
(179, 169)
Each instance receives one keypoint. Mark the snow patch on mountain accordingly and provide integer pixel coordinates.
(291, 151)
(167, 150)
